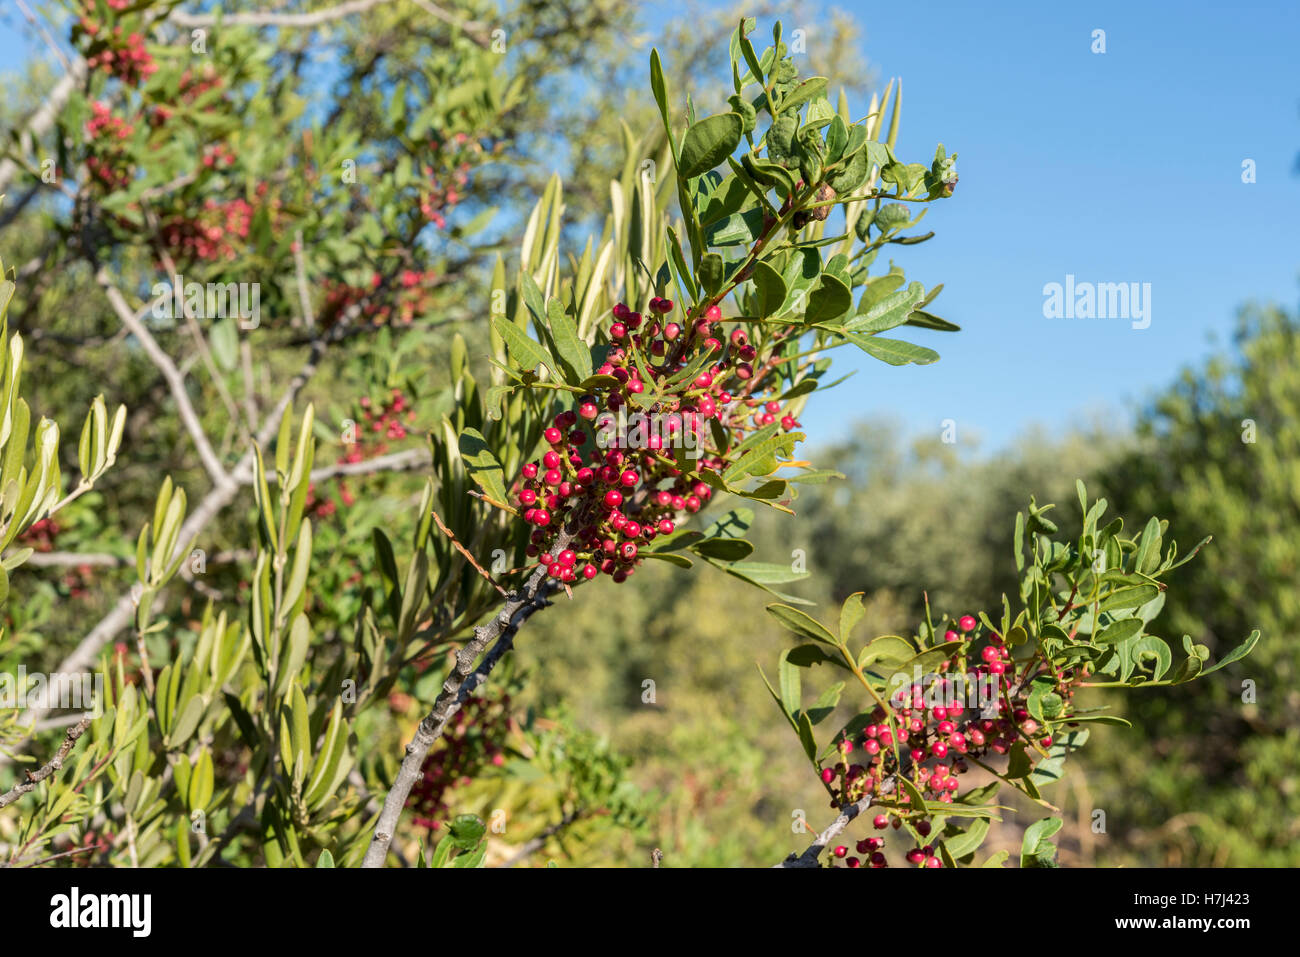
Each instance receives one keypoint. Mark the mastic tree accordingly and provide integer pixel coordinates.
(633, 399)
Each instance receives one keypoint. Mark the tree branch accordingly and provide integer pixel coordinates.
(132, 320)
(270, 19)
(809, 858)
(54, 764)
(460, 684)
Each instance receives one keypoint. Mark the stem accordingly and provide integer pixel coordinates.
(460, 683)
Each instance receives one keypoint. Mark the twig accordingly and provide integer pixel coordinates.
(300, 268)
(54, 764)
(535, 844)
(270, 19)
(473, 29)
(53, 857)
(392, 462)
(451, 536)
(45, 34)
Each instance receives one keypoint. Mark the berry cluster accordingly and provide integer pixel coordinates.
(213, 234)
(107, 160)
(470, 743)
(41, 536)
(392, 419)
(190, 87)
(447, 181)
(218, 156)
(629, 489)
(413, 298)
(114, 51)
(929, 730)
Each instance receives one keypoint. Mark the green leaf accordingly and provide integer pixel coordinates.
(1148, 553)
(482, 464)
(851, 612)
(826, 702)
(723, 549)
(1119, 631)
(527, 352)
(224, 340)
(767, 573)
(659, 86)
(712, 272)
(893, 351)
(575, 356)
(1236, 654)
(1124, 598)
(769, 291)
(801, 623)
(709, 142)
(830, 300)
(1100, 719)
(465, 831)
(889, 649)
(807, 90)
(791, 685)
(928, 320)
(887, 312)
(1151, 647)
(1037, 849)
(681, 561)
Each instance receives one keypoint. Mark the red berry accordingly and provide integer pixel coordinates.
(880, 822)
(613, 498)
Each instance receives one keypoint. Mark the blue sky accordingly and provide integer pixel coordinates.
(1123, 166)
(1117, 167)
